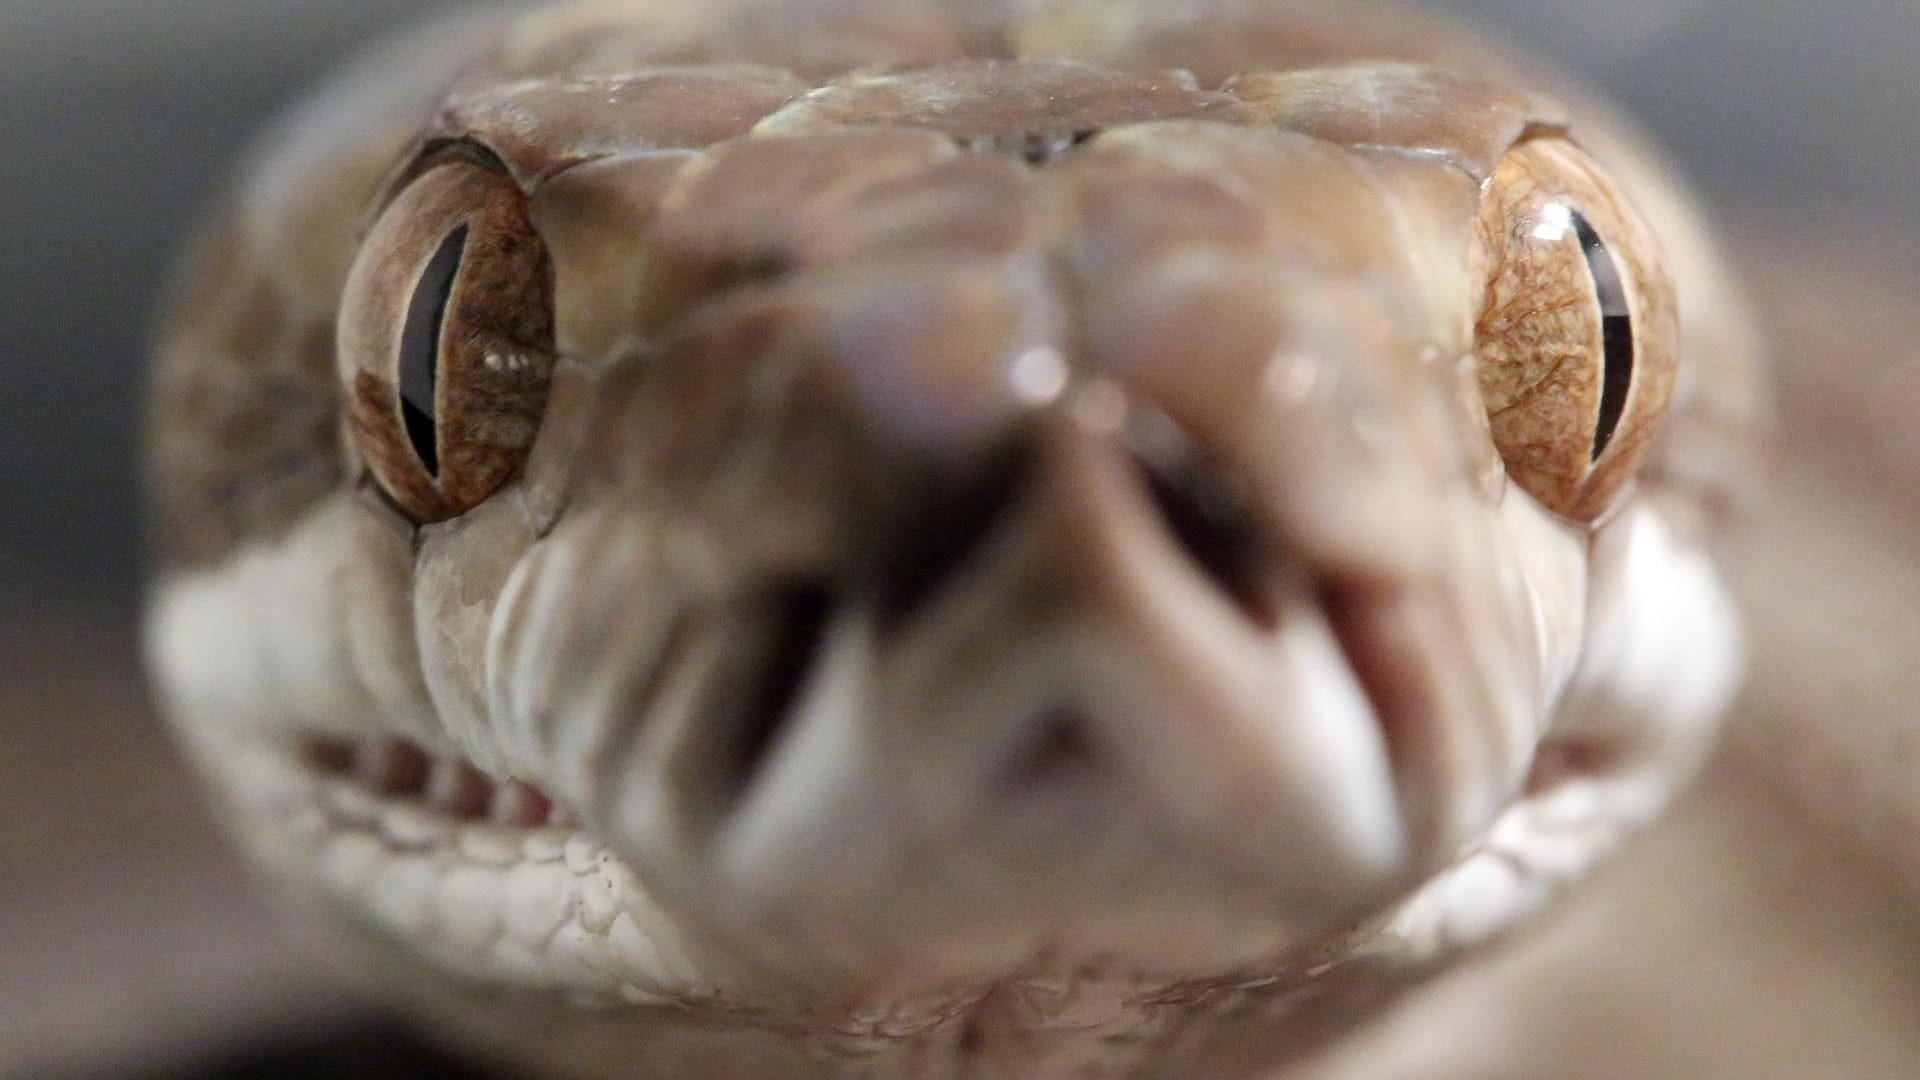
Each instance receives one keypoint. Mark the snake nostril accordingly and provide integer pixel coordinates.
(945, 524)
(792, 631)
(1208, 513)
(1062, 749)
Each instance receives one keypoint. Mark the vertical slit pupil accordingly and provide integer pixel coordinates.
(420, 349)
(1616, 326)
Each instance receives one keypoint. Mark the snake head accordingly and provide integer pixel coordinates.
(909, 532)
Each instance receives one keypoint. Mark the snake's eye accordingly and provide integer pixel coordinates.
(1578, 332)
(446, 340)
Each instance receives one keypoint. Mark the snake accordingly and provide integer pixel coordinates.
(908, 539)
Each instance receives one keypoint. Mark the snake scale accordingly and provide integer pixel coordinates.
(892, 538)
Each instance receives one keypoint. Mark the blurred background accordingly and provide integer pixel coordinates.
(130, 945)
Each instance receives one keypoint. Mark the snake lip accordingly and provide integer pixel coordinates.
(399, 771)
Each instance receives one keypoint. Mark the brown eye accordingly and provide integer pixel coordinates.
(446, 339)
(1578, 334)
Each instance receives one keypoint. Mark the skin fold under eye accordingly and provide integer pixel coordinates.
(446, 340)
(1577, 337)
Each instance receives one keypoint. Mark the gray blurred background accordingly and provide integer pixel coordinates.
(126, 935)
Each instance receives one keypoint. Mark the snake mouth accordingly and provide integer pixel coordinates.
(401, 772)
(1094, 688)
(1094, 758)
(1114, 693)
(489, 881)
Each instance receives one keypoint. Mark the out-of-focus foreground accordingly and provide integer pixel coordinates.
(1771, 929)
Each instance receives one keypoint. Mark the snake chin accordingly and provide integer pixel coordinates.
(504, 896)
(486, 879)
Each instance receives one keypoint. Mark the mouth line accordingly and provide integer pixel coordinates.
(486, 882)
(399, 772)
(558, 890)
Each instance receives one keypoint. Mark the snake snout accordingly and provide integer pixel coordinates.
(1071, 674)
(947, 525)
(940, 529)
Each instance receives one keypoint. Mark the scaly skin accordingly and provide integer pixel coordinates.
(1073, 539)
